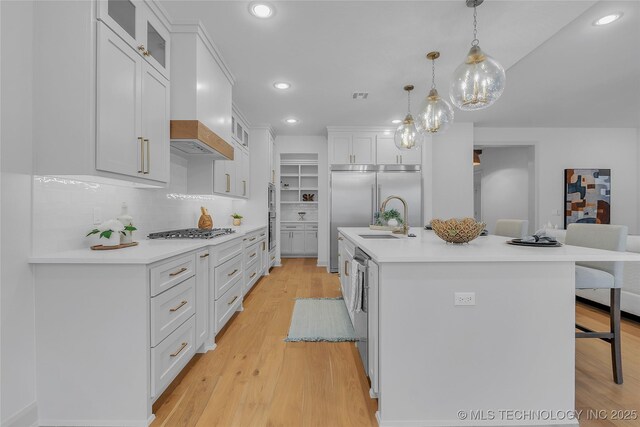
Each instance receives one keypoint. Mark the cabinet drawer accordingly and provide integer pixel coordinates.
(251, 255)
(170, 309)
(228, 304)
(292, 226)
(224, 252)
(251, 275)
(166, 275)
(171, 355)
(226, 274)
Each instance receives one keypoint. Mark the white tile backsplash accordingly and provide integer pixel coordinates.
(289, 212)
(63, 209)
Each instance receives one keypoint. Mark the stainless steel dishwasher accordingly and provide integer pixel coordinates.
(360, 317)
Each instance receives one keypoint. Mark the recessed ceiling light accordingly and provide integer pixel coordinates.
(291, 121)
(396, 121)
(282, 85)
(261, 10)
(608, 19)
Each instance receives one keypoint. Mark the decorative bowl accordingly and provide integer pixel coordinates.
(457, 230)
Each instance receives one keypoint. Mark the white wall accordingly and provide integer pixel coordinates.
(17, 344)
(557, 149)
(448, 173)
(312, 144)
(505, 189)
(63, 210)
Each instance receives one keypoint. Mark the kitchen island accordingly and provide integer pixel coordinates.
(480, 334)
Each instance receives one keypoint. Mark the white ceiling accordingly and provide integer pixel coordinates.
(562, 71)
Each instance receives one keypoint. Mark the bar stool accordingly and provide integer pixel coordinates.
(602, 275)
(516, 228)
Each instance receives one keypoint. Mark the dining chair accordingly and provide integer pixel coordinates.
(602, 275)
(516, 228)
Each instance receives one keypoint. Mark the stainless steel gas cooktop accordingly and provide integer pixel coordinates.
(192, 233)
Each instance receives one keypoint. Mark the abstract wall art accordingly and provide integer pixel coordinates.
(587, 196)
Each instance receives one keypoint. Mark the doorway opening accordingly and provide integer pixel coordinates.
(504, 185)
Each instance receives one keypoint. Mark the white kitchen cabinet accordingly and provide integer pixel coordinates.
(373, 332)
(299, 239)
(286, 242)
(243, 174)
(202, 297)
(138, 27)
(352, 147)
(104, 119)
(389, 154)
(311, 243)
(297, 242)
(239, 128)
(155, 123)
(133, 112)
(120, 144)
(224, 176)
(273, 163)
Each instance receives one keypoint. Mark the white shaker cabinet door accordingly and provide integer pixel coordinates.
(155, 124)
(311, 243)
(202, 297)
(286, 242)
(364, 149)
(119, 146)
(341, 148)
(297, 242)
(411, 157)
(387, 152)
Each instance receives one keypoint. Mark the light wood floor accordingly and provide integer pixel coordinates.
(254, 378)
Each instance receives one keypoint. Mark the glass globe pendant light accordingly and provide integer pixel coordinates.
(479, 81)
(407, 135)
(436, 113)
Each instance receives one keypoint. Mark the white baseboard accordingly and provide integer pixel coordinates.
(373, 394)
(27, 417)
(101, 423)
(321, 264)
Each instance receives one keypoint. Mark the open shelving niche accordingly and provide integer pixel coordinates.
(298, 177)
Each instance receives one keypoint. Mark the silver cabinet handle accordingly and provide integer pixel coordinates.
(244, 188)
(182, 347)
(400, 158)
(232, 273)
(141, 140)
(228, 182)
(252, 239)
(252, 276)
(252, 255)
(204, 256)
(179, 306)
(146, 172)
(175, 273)
(346, 271)
(233, 300)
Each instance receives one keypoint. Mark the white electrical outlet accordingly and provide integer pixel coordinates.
(464, 298)
(97, 216)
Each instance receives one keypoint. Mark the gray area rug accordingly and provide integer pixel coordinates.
(320, 320)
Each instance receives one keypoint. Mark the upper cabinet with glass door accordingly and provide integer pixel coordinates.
(239, 128)
(135, 23)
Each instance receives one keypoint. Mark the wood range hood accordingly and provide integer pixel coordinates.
(195, 138)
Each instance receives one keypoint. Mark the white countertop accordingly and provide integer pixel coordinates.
(427, 247)
(147, 251)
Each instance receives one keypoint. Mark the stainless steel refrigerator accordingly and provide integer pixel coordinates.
(358, 190)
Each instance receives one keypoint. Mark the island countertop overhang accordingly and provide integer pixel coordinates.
(426, 247)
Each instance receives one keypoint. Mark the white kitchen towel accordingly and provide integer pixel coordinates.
(356, 289)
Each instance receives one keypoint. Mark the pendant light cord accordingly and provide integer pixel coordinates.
(433, 73)
(475, 42)
(409, 102)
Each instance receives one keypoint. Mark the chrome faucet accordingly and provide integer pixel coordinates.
(405, 219)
